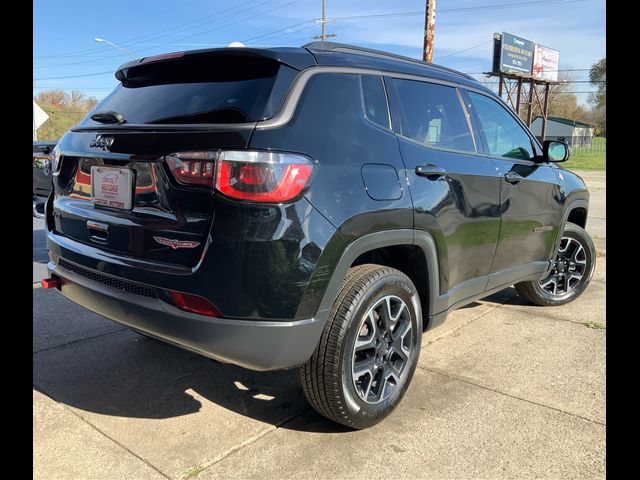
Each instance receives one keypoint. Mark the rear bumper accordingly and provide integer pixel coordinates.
(253, 344)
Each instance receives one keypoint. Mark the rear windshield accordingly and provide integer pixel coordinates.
(199, 90)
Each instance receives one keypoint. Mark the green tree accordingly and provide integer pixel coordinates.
(598, 78)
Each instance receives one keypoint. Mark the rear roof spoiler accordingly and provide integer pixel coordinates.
(294, 57)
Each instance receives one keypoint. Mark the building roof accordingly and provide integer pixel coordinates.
(566, 121)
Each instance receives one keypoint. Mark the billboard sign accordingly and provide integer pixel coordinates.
(516, 54)
(545, 63)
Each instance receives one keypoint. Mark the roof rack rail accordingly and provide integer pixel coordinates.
(343, 47)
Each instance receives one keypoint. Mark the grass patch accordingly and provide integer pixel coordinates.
(193, 471)
(588, 159)
(596, 161)
(595, 325)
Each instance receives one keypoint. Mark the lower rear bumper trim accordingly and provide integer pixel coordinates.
(256, 345)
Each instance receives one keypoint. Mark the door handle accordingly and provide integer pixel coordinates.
(430, 171)
(513, 177)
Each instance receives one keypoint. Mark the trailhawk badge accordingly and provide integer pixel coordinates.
(175, 244)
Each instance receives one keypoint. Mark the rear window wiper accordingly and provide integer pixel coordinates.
(108, 116)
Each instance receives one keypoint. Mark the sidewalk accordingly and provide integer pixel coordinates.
(502, 390)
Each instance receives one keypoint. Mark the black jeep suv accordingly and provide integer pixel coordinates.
(314, 207)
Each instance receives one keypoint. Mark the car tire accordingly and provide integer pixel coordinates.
(576, 256)
(359, 384)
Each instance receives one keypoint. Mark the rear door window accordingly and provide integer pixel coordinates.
(375, 100)
(431, 114)
(199, 90)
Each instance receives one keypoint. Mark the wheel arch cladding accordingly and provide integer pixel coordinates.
(579, 205)
(381, 246)
(578, 215)
(410, 260)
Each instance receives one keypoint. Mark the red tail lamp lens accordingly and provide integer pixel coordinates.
(194, 304)
(263, 176)
(256, 176)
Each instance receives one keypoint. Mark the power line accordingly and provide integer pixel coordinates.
(465, 50)
(510, 5)
(563, 82)
(153, 34)
(55, 87)
(561, 70)
(461, 9)
(202, 22)
(74, 76)
(279, 30)
(235, 23)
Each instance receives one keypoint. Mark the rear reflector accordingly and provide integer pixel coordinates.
(53, 282)
(194, 304)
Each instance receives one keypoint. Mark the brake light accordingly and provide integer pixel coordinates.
(194, 304)
(255, 176)
(262, 176)
(164, 56)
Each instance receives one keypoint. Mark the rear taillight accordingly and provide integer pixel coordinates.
(195, 168)
(255, 176)
(262, 176)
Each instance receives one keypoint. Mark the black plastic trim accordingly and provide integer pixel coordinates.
(256, 345)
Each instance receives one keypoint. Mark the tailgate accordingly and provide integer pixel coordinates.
(166, 221)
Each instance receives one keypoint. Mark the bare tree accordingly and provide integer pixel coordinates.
(562, 101)
(52, 98)
(76, 98)
(90, 103)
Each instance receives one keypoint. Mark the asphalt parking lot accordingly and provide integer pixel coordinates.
(503, 390)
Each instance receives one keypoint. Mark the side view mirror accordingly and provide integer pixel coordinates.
(555, 151)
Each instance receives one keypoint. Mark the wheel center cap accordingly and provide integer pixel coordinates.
(383, 349)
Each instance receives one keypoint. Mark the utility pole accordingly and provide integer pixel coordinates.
(35, 134)
(324, 35)
(429, 30)
(324, 20)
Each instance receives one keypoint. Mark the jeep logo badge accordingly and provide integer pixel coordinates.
(101, 142)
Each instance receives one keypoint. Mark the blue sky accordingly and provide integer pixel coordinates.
(63, 44)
